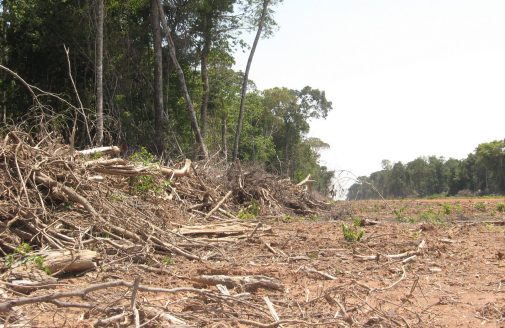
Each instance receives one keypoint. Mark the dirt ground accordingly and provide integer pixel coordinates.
(420, 263)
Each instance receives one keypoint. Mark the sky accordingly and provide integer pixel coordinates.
(407, 78)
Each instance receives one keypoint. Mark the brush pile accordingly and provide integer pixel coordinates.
(65, 213)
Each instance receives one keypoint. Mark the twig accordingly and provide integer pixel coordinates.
(255, 229)
(218, 204)
(271, 308)
(404, 274)
(133, 304)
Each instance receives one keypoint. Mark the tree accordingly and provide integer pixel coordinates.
(213, 25)
(182, 81)
(158, 78)
(246, 79)
(99, 72)
(490, 157)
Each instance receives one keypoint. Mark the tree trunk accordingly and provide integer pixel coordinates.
(205, 84)
(158, 79)
(246, 78)
(3, 61)
(183, 86)
(99, 73)
(224, 143)
(167, 78)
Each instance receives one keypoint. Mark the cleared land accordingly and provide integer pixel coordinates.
(207, 247)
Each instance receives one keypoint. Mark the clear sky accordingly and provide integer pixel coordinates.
(407, 78)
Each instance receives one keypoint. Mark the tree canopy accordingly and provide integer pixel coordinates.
(482, 173)
(147, 100)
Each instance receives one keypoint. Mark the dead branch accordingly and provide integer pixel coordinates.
(108, 150)
(82, 293)
(249, 283)
(66, 261)
(320, 273)
(305, 181)
(218, 205)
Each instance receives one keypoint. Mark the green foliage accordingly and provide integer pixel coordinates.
(500, 207)
(251, 211)
(276, 121)
(431, 217)
(481, 173)
(447, 209)
(168, 260)
(358, 222)
(145, 184)
(21, 253)
(23, 249)
(480, 206)
(353, 233)
(143, 156)
(96, 155)
(117, 197)
(400, 216)
(39, 262)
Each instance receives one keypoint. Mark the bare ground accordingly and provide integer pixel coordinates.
(455, 280)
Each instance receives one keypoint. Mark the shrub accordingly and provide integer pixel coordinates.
(446, 209)
(500, 207)
(352, 233)
(481, 207)
(251, 211)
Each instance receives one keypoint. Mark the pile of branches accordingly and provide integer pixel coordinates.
(53, 196)
(78, 208)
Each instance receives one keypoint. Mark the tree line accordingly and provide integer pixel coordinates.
(157, 73)
(482, 172)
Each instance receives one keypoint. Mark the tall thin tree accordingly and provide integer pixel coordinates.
(158, 78)
(246, 79)
(99, 72)
(182, 81)
(204, 61)
(3, 59)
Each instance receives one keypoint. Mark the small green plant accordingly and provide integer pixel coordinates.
(21, 253)
(447, 209)
(9, 260)
(431, 217)
(168, 261)
(287, 218)
(400, 215)
(39, 262)
(96, 155)
(500, 207)
(143, 184)
(167, 184)
(143, 156)
(251, 211)
(117, 197)
(489, 226)
(23, 249)
(352, 233)
(358, 222)
(481, 207)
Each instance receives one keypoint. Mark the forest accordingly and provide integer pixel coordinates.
(482, 172)
(156, 74)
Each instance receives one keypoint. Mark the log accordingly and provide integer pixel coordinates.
(305, 181)
(176, 173)
(248, 283)
(117, 166)
(109, 150)
(168, 319)
(220, 229)
(27, 278)
(69, 261)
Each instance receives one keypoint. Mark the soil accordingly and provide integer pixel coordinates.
(454, 275)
